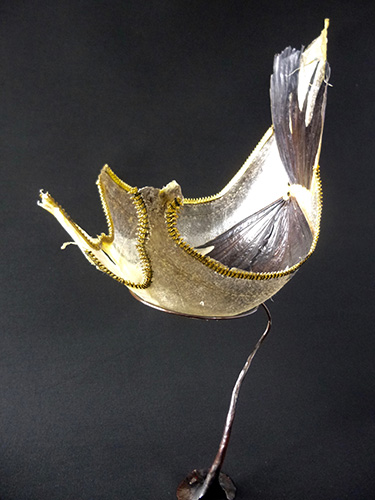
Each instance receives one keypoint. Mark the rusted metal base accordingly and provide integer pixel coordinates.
(191, 487)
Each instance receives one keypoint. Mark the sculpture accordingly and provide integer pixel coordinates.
(224, 255)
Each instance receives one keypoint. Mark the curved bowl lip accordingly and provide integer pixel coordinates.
(193, 316)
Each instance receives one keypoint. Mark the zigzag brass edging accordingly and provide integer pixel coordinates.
(171, 217)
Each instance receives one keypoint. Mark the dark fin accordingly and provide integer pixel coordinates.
(273, 239)
(298, 144)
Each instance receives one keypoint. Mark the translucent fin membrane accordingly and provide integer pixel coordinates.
(274, 238)
(298, 100)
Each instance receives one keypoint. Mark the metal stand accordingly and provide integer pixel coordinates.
(192, 487)
(212, 484)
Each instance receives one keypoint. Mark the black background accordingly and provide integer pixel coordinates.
(103, 398)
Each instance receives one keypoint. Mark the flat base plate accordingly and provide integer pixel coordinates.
(223, 489)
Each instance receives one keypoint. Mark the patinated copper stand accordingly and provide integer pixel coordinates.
(212, 484)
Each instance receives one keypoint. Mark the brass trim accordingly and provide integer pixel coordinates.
(171, 217)
(49, 204)
(206, 199)
(142, 231)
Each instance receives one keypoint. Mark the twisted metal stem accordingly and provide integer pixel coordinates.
(214, 471)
